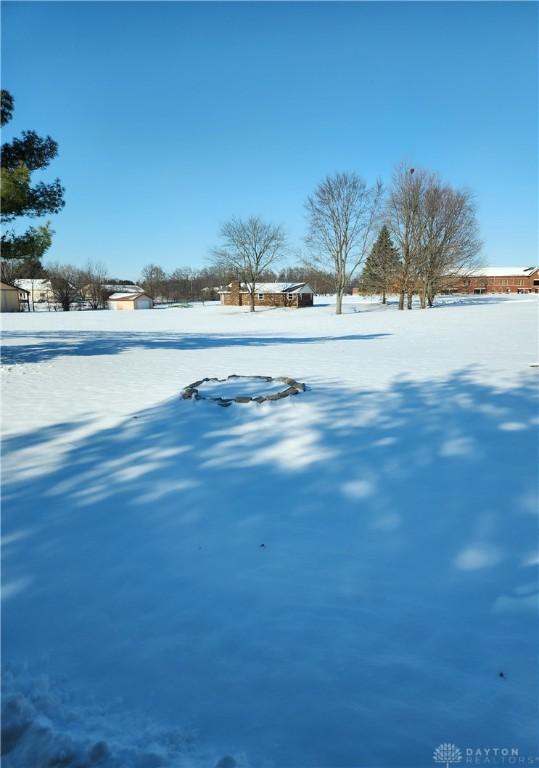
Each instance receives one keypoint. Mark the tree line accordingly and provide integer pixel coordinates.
(413, 238)
(91, 286)
(187, 283)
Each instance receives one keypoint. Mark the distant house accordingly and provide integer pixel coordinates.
(39, 289)
(499, 280)
(13, 298)
(128, 301)
(268, 295)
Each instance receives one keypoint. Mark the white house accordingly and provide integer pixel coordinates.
(39, 289)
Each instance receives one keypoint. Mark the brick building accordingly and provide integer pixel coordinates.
(499, 280)
(268, 295)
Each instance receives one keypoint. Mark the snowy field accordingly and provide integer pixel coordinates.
(343, 579)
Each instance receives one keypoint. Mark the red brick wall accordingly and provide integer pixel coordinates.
(500, 284)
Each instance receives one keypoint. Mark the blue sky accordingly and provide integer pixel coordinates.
(171, 116)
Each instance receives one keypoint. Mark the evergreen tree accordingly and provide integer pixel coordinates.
(381, 266)
(6, 107)
(19, 197)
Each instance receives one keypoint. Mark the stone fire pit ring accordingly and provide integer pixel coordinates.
(291, 387)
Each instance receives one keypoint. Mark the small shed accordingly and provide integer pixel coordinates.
(130, 301)
(12, 298)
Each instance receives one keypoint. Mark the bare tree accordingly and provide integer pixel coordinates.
(404, 218)
(343, 213)
(435, 228)
(153, 278)
(321, 282)
(249, 248)
(9, 270)
(449, 239)
(66, 283)
(95, 277)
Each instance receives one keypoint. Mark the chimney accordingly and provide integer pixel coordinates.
(235, 287)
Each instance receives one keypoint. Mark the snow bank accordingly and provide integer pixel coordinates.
(45, 722)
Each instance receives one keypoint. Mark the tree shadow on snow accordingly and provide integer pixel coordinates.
(49, 345)
(336, 579)
(465, 300)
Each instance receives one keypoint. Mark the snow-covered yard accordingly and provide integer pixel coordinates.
(343, 579)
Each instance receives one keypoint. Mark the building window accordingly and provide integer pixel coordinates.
(290, 296)
(260, 296)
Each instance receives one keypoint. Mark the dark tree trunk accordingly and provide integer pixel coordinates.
(401, 300)
(409, 301)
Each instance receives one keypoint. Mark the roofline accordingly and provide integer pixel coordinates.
(289, 288)
(530, 269)
(15, 287)
(130, 297)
